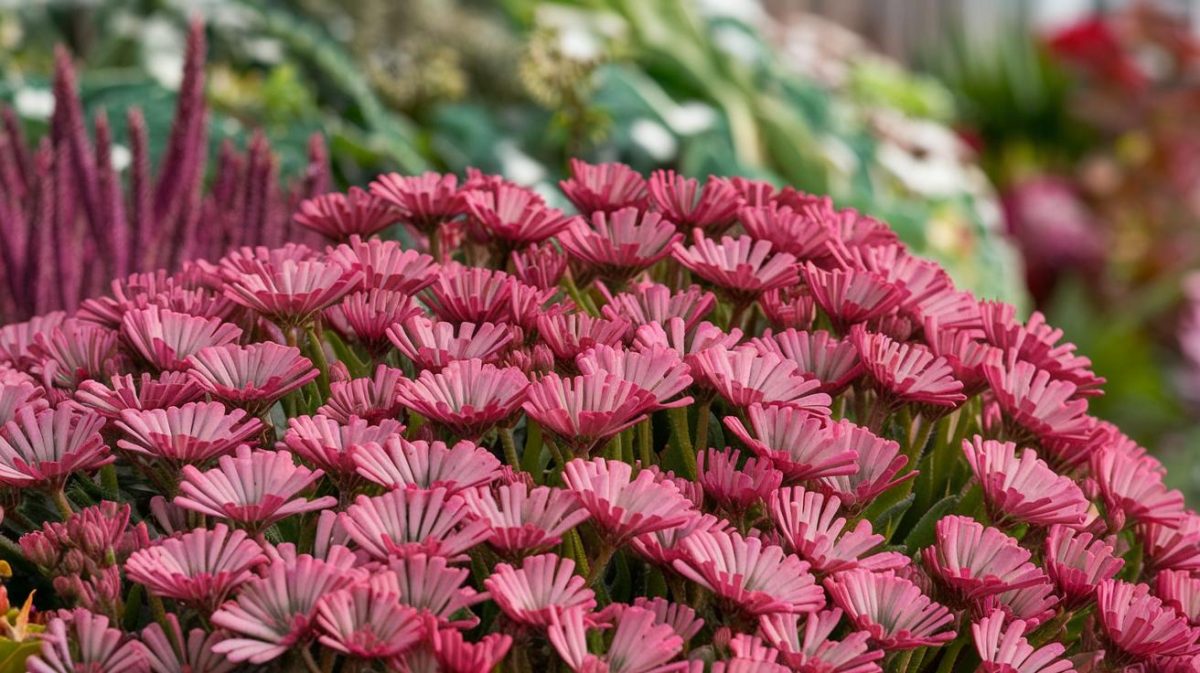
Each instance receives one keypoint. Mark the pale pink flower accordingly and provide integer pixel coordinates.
(1077, 562)
(385, 265)
(604, 187)
(338, 216)
(879, 463)
(817, 354)
(851, 296)
(467, 397)
(663, 547)
(683, 201)
(1132, 488)
(432, 586)
(1035, 404)
(809, 650)
(1036, 342)
(192, 434)
(800, 445)
(522, 520)
(293, 292)
(639, 644)
(455, 654)
(570, 334)
(1035, 605)
(323, 442)
(72, 353)
(1005, 650)
(891, 609)
(17, 396)
(973, 561)
(753, 577)
(252, 377)
(810, 526)
(796, 232)
(367, 316)
(736, 489)
(365, 622)
(252, 260)
(1181, 591)
(168, 389)
(372, 399)
(906, 373)
(743, 376)
(963, 351)
(645, 303)
(655, 369)
(789, 307)
(514, 216)
(542, 588)
(253, 489)
(17, 339)
(433, 345)
(1138, 626)
(397, 463)
(42, 449)
(165, 338)
(200, 568)
(1171, 547)
(741, 267)
(585, 411)
(1023, 488)
(617, 246)
(682, 619)
(621, 505)
(82, 642)
(408, 521)
(174, 652)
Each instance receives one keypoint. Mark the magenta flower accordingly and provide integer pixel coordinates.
(891, 609)
(396, 463)
(664, 547)
(192, 434)
(736, 489)
(688, 343)
(752, 577)
(1181, 591)
(617, 246)
(1034, 404)
(742, 377)
(42, 449)
(367, 316)
(683, 620)
(621, 505)
(851, 296)
(365, 622)
(432, 586)
(906, 372)
(1132, 488)
(810, 526)
(166, 338)
(294, 292)
(168, 389)
(17, 339)
(385, 265)
(542, 588)
(173, 652)
(253, 489)
(1023, 489)
(962, 351)
(1172, 547)
(1036, 342)
(372, 399)
(800, 445)
(433, 345)
(454, 654)
(470, 294)
(323, 442)
(655, 369)
(277, 612)
(424, 201)
(570, 334)
(646, 303)
(585, 411)
(811, 650)
(1077, 563)
(1137, 626)
(200, 568)
(742, 268)
(879, 461)
(72, 353)
(252, 377)
(522, 520)
(683, 201)
(339, 216)
(604, 187)
(540, 265)
(1005, 650)
(405, 522)
(514, 216)
(467, 397)
(639, 645)
(817, 355)
(796, 232)
(20, 395)
(1035, 605)
(973, 561)
(789, 307)
(83, 641)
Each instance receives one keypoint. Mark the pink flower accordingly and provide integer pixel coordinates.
(455, 654)
(604, 187)
(277, 612)
(1137, 626)
(165, 338)
(404, 522)
(17, 339)
(712, 208)
(372, 399)
(812, 529)
(42, 449)
(515, 216)
(879, 461)
(800, 445)
(1132, 487)
(906, 372)
(168, 389)
(192, 434)
(682, 619)
(1037, 343)
(664, 547)
(540, 265)
(200, 568)
(962, 351)
(797, 233)
(323, 442)
(1077, 563)
(755, 578)
(20, 395)
(817, 354)
(1023, 489)
(811, 650)
(851, 296)
(367, 316)
(1035, 605)
(1007, 651)
(338, 216)
(742, 377)
(891, 609)
(251, 377)
(743, 268)
(655, 369)
(647, 303)
(542, 588)
(424, 201)
(433, 587)
(617, 246)
(83, 642)
(293, 292)
(365, 622)
(585, 411)
(433, 345)
(973, 561)
(467, 397)
(621, 505)
(1181, 591)
(470, 294)
(72, 353)
(396, 463)
(385, 265)
(1171, 547)
(734, 489)
(789, 307)
(173, 652)
(522, 520)
(1033, 403)
(688, 343)
(570, 334)
(639, 645)
(253, 489)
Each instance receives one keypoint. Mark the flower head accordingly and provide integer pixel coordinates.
(810, 650)
(800, 445)
(200, 568)
(740, 267)
(543, 587)
(796, 232)
(1077, 562)
(433, 345)
(166, 338)
(293, 292)
(513, 215)
(617, 246)
(433, 586)
(587, 410)
(169, 650)
(168, 389)
(192, 434)
(1005, 650)
(385, 265)
(810, 526)
(1138, 626)
(639, 644)
(735, 489)
(467, 396)
(405, 522)
(973, 561)
(366, 622)
(338, 216)
(817, 354)
(1023, 488)
(756, 578)
(683, 201)
(84, 641)
(424, 201)
(397, 463)
(1033, 402)
(251, 377)
(609, 187)
(455, 654)
(891, 609)
(522, 520)
(42, 449)
(1132, 487)
(743, 377)
(651, 303)
(325, 443)
(851, 296)
(372, 399)
(621, 505)
(879, 461)
(655, 369)
(906, 372)
(367, 316)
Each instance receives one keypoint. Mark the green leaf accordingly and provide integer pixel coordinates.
(921, 534)
(888, 518)
(13, 654)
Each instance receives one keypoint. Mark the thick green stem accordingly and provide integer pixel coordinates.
(682, 441)
(600, 563)
(950, 655)
(532, 462)
(510, 448)
(317, 347)
(645, 438)
(62, 503)
(702, 425)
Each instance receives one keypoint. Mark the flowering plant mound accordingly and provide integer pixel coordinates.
(720, 427)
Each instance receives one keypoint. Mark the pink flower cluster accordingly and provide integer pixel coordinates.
(693, 427)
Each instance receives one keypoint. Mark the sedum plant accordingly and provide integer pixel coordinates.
(690, 426)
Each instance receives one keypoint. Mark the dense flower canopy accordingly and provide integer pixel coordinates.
(690, 426)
